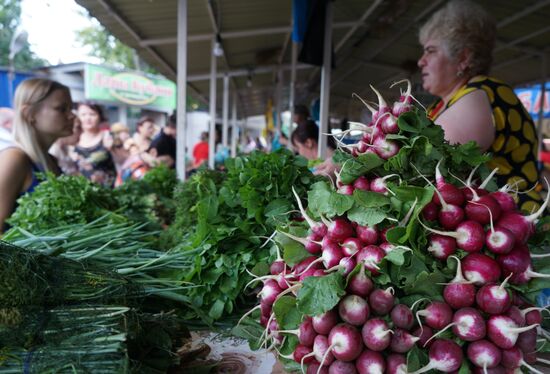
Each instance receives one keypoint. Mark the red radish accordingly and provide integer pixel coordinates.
(450, 215)
(367, 234)
(302, 353)
(505, 200)
(389, 123)
(306, 332)
(513, 359)
(312, 246)
(450, 193)
(430, 212)
(437, 314)
(362, 183)
(381, 301)
(308, 262)
(481, 209)
(469, 235)
(277, 267)
(522, 227)
(504, 332)
(270, 292)
(346, 189)
(379, 184)
(441, 246)
(347, 264)
(370, 362)
(354, 310)
(515, 314)
(321, 349)
(331, 256)
(480, 269)
(516, 261)
(339, 229)
(424, 334)
(265, 309)
(526, 276)
(533, 315)
(459, 293)
(445, 355)
(382, 105)
(317, 228)
(371, 256)
(351, 246)
(396, 364)
(469, 324)
(484, 354)
(323, 323)
(376, 334)
(360, 284)
(405, 101)
(499, 240)
(342, 367)
(402, 317)
(527, 342)
(345, 342)
(494, 298)
(402, 341)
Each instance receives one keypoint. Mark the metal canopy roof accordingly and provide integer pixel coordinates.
(375, 43)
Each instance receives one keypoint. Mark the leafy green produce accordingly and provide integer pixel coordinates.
(228, 217)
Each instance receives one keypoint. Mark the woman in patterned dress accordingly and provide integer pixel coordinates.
(458, 41)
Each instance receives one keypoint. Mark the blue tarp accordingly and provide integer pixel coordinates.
(5, 90)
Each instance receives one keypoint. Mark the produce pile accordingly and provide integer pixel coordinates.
(390, 272)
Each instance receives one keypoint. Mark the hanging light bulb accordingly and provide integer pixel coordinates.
(218, 49)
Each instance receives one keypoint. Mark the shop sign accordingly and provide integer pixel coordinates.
(530, 98)
(130, 88)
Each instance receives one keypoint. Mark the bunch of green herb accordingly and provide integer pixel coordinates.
(230, 219)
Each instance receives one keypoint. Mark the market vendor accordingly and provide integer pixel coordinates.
(458, 41)
(43, 114)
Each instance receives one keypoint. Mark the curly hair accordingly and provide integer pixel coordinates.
(463, 25)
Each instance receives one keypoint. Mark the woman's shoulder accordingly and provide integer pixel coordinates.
(15, 164)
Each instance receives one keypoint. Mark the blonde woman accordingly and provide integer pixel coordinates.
(458, 41)
(42, 115)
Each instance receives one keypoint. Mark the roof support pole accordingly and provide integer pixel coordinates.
(325, 83)
(181, 138)
(212, 131)
(292, 94)
(225, 128)
(279, 99)
(540, 121)
(234, 128)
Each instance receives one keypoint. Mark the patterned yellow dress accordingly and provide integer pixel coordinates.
(515, 148)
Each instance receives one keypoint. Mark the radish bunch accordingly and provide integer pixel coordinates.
(373, 325)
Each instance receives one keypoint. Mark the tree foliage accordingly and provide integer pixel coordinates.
(111, 51)
(10, 19)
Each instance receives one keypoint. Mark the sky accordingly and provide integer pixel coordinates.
(51, 26)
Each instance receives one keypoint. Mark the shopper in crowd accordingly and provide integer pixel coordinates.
(301, 115)
(145, 130)
(92, 151)
(42, 115)
(458, 41)
(163, 146)
(120, 130)
(305, 141)
(135, 165)
(200, 151)
(64, 150)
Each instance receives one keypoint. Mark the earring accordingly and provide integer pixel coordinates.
(460, 74)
